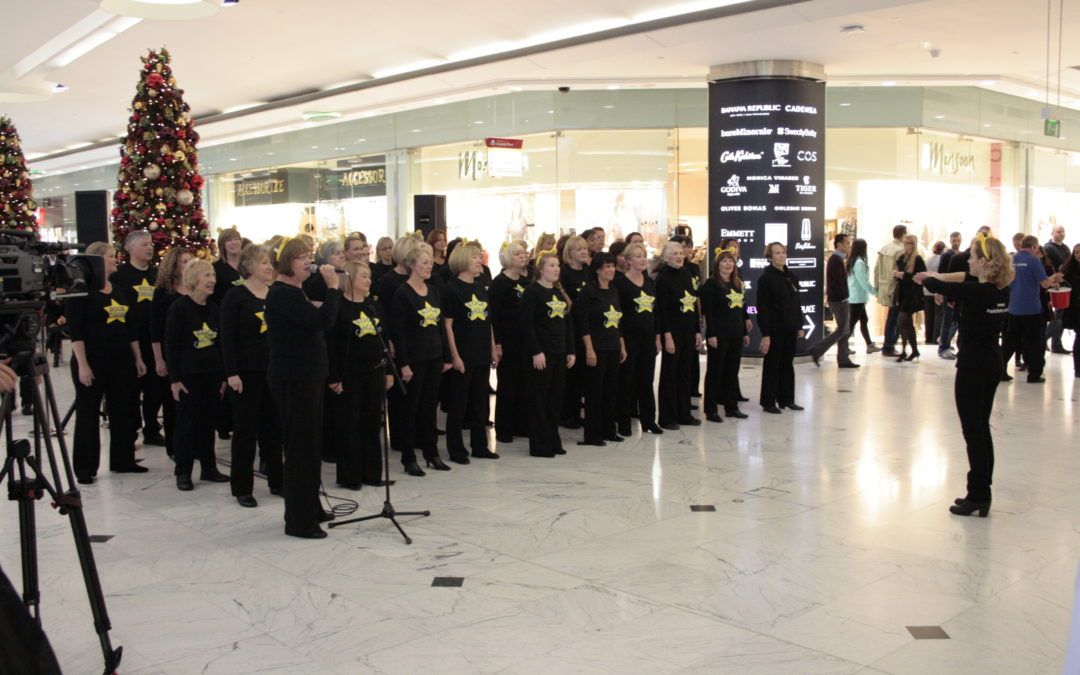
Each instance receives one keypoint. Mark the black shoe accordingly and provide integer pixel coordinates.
(743, 399)
(485, 454)
(570, 424)
(184, 484)
(350, 486)
(26, 410)
(264, 468)
(1060, 350)
(771, 409)
(696, 394)
(440, 432)
(792, 406)
(1006, 378)
(325, 516)
(85, 480)
(714, 417)
(1036, 380)
(623, 430)
(224, 435)
(247, 501)
(614, 439)
(153, 439)
(504, 439)
(737, 414)
(914, 356)
(214, 476)
(314, 533)
(670, 426)
(437, 464)
(559, 451)
(889, 352)
(651, 428)
(378, 483)
(134, 468)
(277, 491)
(693, 407)
(462, 459)
(816, 358)
(541, 453)
(413, 470)
(849, 364)
(598, 444)
(1021, 367)
(965, 507)
(690, 422)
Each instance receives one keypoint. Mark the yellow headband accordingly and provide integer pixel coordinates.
(553, 251)
(730, 249)
(281, 246)
(981, 238)
(505, 245)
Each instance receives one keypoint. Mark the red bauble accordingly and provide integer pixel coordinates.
(115, 213)
(135, 117)
(155, 80)
(125, 161)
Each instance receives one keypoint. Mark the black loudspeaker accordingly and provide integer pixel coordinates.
(92, 216)
(429, 213)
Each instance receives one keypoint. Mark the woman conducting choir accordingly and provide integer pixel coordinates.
(637, 296)
(548, 336)
(196, 374)
(245, 350)
(106, 364)
(297, 372)
(511, 401)
(169, 287)
(421, 354)
(727, 331)
(597, 316)
(678, 323)
(780, 321)
(471, 345)
(984, 307)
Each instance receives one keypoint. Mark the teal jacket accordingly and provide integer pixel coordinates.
(859, 289)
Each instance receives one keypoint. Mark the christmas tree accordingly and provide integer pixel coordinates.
(160, 188)
(16, 204)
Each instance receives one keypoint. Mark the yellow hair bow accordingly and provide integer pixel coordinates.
(981, 238)
(281, 247)
(730, 249)
(505, 245)
(553, 251)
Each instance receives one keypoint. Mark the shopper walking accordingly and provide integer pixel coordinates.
(946, 312)
(637, 297)
(780, 321)
(908, 295)
(886, 284)
(727, 332)
(859, 292)
(1057, 254)
(983, 307)
(1027, 324)
(930, 323)
(836, 294)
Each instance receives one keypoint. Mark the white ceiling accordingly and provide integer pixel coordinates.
(262, 50)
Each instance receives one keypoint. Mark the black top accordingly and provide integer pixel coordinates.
(572, 280)
(100, 320)
(225, 277)
(295, 330)
(315, 288)
(695, 274)
(836, 288)
(945, 261)
(378, 270)
(545, 321)
(676, 301)
(1070, 318)
(984, 310)
(192, 345)
(440, 273)
(244, 344)
(160, 305)
(354, 346)
(961, 262)
(505, 298)
(467, 305)
(417, 326)
(909, 295)
(724, 308)
(383, 291)
(1056, 254)
(638, 302)
(137, 287)
(778, 308)
(598, 313)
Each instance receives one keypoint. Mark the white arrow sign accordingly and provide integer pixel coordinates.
(809, 326)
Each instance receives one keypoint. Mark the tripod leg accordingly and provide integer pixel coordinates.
(28, 544)
(394, 521)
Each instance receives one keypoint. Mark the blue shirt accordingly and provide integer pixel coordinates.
(1024, 300)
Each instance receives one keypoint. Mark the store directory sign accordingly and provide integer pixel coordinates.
(766, 182)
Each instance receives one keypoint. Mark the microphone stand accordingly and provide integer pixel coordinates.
(388, 510)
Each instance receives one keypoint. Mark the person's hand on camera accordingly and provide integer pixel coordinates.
(329, 275)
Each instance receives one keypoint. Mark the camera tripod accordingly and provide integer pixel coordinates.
(28, 483)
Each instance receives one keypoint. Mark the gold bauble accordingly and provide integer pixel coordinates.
(159, 192)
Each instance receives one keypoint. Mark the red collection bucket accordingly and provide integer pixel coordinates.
(1060, 297)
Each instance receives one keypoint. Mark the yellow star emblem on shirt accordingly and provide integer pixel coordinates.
(144, 291)
(261, 316)
(644, 303)
(519, 289)
(735, 299)
(695, 282)
(428, 315)
(116, 312)
(611, 317)
(238, 282)
(364, 325)
(556, 308)
(477, 309)
(689, 302)
(204, 337)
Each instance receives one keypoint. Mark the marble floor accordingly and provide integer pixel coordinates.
(830, 536)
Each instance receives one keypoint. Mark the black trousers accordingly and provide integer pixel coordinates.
(859, 316)
(1025, 335)
(636, 381)
(149, 394)
(300, 403)
(601, 396)
(194, 438)
(418, 410)
(357, 412)
(778, 371)
(114, 381)
(574, 389)
(468, 406)
(974, 391)
(511, 401)
(677, 379)
(545, 389)
(255, 418)
(930, 316)
(722, 375)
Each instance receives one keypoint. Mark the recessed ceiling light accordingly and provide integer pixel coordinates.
(889, 83)
(515, 88)
(319, 115)
(988, 83)
(478, 122)
(845, 104)
(608, 107)
(939, 117)
(612, 87)
(986, 126)
(416, 131)
(361, 140)
(314, 147)
(231, 159)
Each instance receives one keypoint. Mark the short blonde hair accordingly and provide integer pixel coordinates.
(461, 257)
(250, 258)
(634, 248)
(414, 255)
(193, 271)
(508, 249)
(572, 244)
(670, 246)
(102, 249)
(403, 247)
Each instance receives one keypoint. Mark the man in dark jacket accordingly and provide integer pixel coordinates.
(1057, 253)
(836, 295)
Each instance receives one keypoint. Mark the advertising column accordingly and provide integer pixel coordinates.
(767, 174)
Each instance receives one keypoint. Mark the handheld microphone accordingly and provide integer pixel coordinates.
(314, 269)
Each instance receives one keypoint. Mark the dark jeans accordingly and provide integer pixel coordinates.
(511, 399)
(601, 396)
(946, 317)
(115, 381)
(722, 375)
(468, 406)
(1024, 335)
(418, 411)
(839, 337)
(930, 326)
(892, 329)
(858, 316)
(636, 381)
(1054, 331)
(300, 403)
(778, 371)
(357, 413)
(974, 392)
(255, 418)
(194, 438)
(545, 389)
(677, 379)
